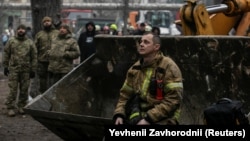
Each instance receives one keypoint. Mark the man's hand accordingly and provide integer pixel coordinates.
(66, 54)
(6, 71)
(143, 122)
(119, 121)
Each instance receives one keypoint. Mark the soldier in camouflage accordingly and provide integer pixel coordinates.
(43, 41)
(20, 64)
(64, 50)
(152, 91)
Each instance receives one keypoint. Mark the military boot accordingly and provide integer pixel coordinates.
(21, 111)
(11, 113)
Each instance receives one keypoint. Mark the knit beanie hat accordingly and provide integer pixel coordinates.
(46, 19)
(21, 26)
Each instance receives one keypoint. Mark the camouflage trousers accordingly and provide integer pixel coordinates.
(19, 85)
(54, 77)
(43, 76)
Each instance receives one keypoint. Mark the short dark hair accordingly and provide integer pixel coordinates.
(156, 38)
(142, 24)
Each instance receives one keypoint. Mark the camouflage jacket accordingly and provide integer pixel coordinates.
(62, 53)
(137, 81)
(20, 55)
(43, 41)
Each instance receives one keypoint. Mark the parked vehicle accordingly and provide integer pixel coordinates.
(160, 18)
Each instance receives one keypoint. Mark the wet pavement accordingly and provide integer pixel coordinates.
(20, 127)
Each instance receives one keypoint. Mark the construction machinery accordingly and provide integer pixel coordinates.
(196, 19)
(81, 104)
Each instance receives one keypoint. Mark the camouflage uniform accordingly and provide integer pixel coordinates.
(20, 57)
(162, 111)
(43, 41)
(61, 55)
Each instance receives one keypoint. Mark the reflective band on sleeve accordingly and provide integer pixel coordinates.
(134, 115)
(127, 88)
(170, 86)
(177, 114)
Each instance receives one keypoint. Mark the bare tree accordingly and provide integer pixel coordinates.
(41, 8)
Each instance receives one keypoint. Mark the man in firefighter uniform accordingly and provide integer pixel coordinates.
(20, 63)
(152, 90)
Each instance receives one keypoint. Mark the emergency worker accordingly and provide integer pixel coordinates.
(152, 90)
(131, 30)
(148, 28)
(20, 63)
(97, 29)
(113, 29)
(43, 41)
(64, 50)
(106, 29)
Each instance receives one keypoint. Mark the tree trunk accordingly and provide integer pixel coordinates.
(41, 8)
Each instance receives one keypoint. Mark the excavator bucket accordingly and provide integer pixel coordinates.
(79, 105)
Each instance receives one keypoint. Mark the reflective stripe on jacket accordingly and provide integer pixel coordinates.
(138, 80)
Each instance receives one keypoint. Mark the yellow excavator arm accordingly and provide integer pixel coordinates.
(196, 19)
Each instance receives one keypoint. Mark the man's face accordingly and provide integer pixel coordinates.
(147, 46)
(47, 23)
(142, 28)
(90, 27)
(21, 32)
(63, 31)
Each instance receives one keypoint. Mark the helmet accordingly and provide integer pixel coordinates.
(113, 26)
(148, 28)
(131, 28)
(105, 27)
(97, 27)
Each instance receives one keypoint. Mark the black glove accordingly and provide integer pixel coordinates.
(32, 74)
(132, 108)
(6, 71)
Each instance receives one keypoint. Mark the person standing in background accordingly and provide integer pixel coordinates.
(43, 41)
(20, 64)
(156, 30)
(105, 29)
(29, 33)
(141, 30)
(86, 41)
(113, 29)
(5, 37)
(64, 50)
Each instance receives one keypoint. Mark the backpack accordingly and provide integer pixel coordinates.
(225, 112)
